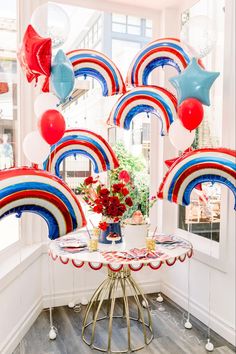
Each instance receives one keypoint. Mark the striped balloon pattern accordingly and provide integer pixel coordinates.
(27, 189)
(87, 62)
(150, 99)
(161, 52)
(82, 142)
(198, 166)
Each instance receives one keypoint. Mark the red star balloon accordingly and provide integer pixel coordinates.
(35, 54)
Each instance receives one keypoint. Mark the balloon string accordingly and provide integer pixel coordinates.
(188, 285)
(20, 299)
(209, 281)
(51, 290)
(73, 279)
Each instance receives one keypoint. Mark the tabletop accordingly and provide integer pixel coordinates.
(169, 249)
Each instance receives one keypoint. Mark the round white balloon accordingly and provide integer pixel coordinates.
(50, 20)
(35, 148)
(44, 102)
(199, 35)
(180, 137)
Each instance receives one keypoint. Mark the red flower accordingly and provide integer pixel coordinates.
(104, 192)
(117, 187)
(129, 201)
(98, 201)
(122, 208)
(124, 175)
(114, 200)
(125, 191)
(104, 201)
(88, 180)
(103, 225)
(112, 210)
(98, 208)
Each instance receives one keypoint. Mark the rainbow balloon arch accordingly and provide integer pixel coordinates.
(32, 190)
(198, 166)
(43, 192)
(82, 142)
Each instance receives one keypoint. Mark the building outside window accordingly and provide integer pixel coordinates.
(8, 108)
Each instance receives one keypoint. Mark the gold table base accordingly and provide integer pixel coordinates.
(108, 290)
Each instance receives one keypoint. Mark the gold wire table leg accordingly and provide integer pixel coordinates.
(138, 290)
(108, 290)
(126, 307)
(92, 302)
(103, 292)
(140, 313)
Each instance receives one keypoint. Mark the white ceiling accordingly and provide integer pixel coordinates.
(123, 5)
(155, 4)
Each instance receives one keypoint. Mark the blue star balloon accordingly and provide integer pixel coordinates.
(62, 76)
(194, 82)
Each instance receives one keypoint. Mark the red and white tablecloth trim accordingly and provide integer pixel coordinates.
(53, 256)
(155, 265)
(95, 265)
(136, 266)
(182, 257)
(77, 264)
(116, 267)
(190, 253)
(170, 262)
(64, 260)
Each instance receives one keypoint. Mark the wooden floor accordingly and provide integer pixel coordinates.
(170, 336)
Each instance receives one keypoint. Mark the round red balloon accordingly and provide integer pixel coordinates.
(52, 126)
(190, 112)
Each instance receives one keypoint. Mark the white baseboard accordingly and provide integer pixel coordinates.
(21, 328)
(224, 329)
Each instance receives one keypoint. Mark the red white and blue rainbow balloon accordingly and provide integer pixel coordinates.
(82, 142)
(161, 52)
(198, 166)
(150, 99)
(27, 189)
(87, 62)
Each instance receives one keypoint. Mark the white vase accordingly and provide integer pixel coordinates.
(135, 235)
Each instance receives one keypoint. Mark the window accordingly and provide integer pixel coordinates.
(131, 25)
(90, 109)
(199, 218)
(9, 226)
(134, 144)
(148, 29)
(123, 51)
(93, 37)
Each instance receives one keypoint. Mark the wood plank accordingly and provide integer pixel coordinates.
(170, 335)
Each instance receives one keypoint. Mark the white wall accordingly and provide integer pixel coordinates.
(222, 283)
(71, 284)
(20, 305)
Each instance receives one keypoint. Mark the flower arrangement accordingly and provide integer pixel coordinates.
(111, 203)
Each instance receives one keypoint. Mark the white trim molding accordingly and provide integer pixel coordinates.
(21, 328)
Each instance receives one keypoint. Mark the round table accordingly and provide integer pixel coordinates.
(119, 283)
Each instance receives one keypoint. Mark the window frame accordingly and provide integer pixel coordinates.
(30, 230)
(12, 247)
